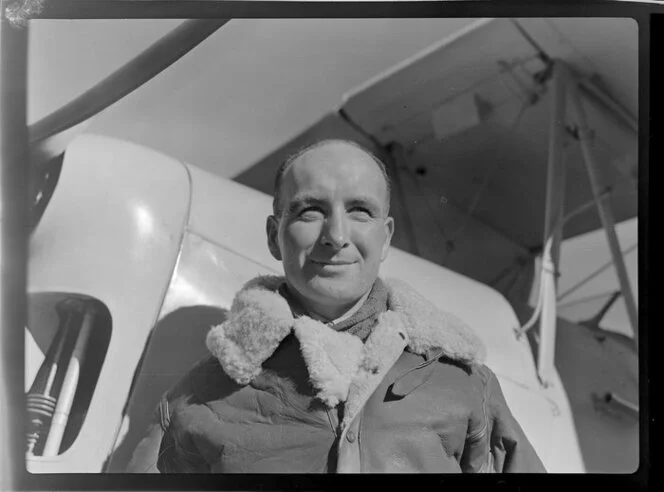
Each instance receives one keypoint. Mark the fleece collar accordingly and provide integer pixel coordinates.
(340, 366)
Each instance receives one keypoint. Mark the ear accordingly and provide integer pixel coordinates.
(389, 231)
(272, 230)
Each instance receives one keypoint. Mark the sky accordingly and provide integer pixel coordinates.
(244, 91)
(253, 85)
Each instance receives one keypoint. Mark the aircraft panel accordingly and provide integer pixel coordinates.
(231, 215)
(111, 236)
(546, 424)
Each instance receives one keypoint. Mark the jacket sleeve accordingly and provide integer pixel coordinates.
(164, 449)
(511, 450)
(144, 459)
(502, 445)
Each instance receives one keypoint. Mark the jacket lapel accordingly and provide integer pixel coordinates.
(381, 351)
(340, 366)
(332, 358)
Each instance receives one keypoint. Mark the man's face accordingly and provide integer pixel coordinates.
(333, 231)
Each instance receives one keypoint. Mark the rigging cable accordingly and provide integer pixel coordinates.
(587, 299)
(595, 273)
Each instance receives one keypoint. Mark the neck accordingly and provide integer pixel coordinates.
(328, 313)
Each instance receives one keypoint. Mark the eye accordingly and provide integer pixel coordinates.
(311, 213)
(360, 212)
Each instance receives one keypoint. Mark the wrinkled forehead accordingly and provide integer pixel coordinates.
(335, 167)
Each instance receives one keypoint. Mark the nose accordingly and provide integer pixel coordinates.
(335, 231)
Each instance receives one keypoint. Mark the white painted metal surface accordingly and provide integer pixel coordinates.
(112, 231)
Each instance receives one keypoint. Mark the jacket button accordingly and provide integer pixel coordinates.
(350, 436)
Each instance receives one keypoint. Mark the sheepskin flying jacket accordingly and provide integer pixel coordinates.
(283, 394)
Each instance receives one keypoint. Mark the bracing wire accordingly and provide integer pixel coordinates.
(586, 299)
(594, 274)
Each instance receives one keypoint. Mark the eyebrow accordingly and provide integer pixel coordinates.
(367, 201)
(302, 201)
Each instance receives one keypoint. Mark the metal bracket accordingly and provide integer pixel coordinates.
(613, 404)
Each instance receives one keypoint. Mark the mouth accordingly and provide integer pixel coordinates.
(332, 263)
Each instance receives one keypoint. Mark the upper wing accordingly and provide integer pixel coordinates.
(471, 115)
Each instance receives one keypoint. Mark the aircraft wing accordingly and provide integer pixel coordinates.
(471, 114)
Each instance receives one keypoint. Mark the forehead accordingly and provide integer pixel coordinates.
(337, 168)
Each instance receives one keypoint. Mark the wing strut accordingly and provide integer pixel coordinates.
(564, 83)
(605, 213)
(553, 222)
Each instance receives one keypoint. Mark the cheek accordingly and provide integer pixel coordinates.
(299, 237)
(370, 243)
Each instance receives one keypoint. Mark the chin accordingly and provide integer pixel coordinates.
(336, 291)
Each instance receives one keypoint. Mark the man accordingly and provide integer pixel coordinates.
(330, 368)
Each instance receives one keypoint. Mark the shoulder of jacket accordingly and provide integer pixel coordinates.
(477, 375)
(449, 371)
(203, 383)
(199, 382)
(469, 368)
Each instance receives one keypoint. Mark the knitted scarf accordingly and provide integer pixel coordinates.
(362, 321)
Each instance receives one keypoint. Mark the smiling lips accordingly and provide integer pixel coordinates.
(332, 263)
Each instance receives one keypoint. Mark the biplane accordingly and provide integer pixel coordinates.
(502, 141)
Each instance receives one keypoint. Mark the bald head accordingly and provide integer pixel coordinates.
(327, 147)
